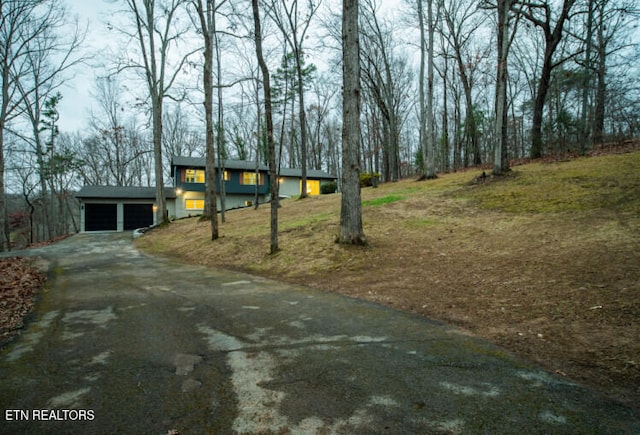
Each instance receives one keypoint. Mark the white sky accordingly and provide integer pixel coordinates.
(77, 100)
(76, 93)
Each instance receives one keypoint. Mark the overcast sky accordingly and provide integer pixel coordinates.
(76, 92)
(77, 101)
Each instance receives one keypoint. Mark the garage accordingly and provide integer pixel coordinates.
(120, 208)
(137, 216)
(101, 217)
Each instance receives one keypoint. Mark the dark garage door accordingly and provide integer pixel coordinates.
(137, 216)
(100, 217)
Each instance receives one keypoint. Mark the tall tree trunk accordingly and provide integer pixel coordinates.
(269, 121)
(538, 109)
(457, 137)
(500, 161)
(598, 116)
(393, 130)
(430, 166)
(445, 119)
(161, 201)
(4, 221)
(207, 26)
(351, 231)
(4, 112)
(303, 124)
(585, 128)
(427, 135)
(422, 98)
(221, 134)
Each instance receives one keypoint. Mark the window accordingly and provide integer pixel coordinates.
(313, 187)
(227, 176)
(194, 176)
(194, 204)
(250, 178)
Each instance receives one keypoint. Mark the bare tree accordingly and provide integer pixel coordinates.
(26, 172)
(36, 55)
(383, 73)
(180, 136)
(156, 31)
(427, 133)
(585, 129)
(325, 93)
(294, 28)
(500, 159)
(614, 21)
(221, 134)
(207, 21)
(266, 85)
(28, 33)
(462, 20)
(113, 150)
(540, 14)
(351, 230)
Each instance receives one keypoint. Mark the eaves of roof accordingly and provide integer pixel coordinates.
(122, 192)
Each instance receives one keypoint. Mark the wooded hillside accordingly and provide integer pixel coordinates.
(442, 85)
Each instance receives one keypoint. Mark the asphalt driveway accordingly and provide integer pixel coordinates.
(126, 343)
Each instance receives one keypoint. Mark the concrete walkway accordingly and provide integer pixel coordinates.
(125, 343)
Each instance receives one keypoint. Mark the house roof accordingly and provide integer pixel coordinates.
(311, 173)
(200, 162)
(122, 192)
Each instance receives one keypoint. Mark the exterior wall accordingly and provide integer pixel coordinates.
(231, 201)
(237, 194)
(239, 201)
(171, 209)
(233, 186)
(180, 209)
(291, 186)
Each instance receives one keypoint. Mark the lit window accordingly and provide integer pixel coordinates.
(194, 176)
(194, 204)
(250, 178)
(313, 187)
(227, 176)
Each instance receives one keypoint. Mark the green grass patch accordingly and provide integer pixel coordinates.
(382, 201)
(578, 185)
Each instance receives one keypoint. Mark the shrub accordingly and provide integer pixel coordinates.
(366, 178)
(327, 188)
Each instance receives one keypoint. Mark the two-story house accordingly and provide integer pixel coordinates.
(243, 183)
(111, 208)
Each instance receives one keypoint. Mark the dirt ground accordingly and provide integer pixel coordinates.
(544, 262)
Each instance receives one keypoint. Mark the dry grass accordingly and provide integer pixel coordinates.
(544, 262)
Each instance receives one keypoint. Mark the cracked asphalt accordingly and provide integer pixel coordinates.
(126, 343)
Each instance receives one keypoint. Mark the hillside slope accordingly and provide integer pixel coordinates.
(544, 262)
